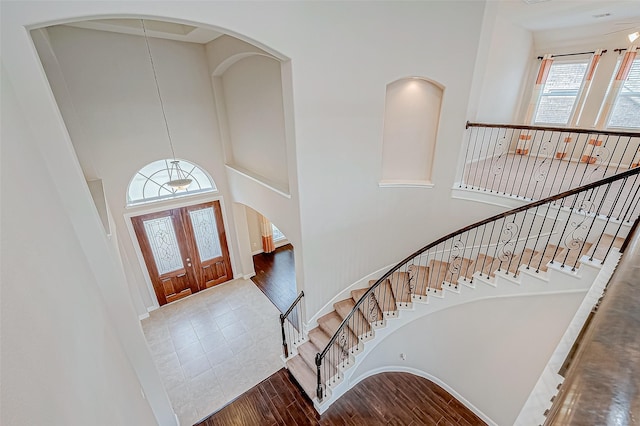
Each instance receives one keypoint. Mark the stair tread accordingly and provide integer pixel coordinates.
(570, 257)
(357, 294)
(369, 307)
(400, 286)
(308, 352)
(485, 264)
(319, 338)
(439, 273)
(303, 374)
(605, 242)
(384, 296)
(457, 267)
(540, 260)
(520, 259)
(357, 323)
(330, 323)
(419, 276)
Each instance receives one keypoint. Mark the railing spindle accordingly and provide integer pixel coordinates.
(507, 235)
(528, 172)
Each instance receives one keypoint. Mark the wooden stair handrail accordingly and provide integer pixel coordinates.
(553, 129)
(293, 305)
(624, 175)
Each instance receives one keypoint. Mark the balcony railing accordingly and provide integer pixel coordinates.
(532, 162)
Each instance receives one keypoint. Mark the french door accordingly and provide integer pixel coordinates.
(185, 249)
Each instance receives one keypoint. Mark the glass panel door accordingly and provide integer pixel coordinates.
(164, 244)
(205, 233)
(185, 250)
(166, 254)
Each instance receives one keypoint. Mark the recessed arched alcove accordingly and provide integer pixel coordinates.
(249, 99)
(411, 117)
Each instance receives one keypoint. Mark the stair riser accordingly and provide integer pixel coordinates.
(508, 281)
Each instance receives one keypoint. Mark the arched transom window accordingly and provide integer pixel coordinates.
(150, 183)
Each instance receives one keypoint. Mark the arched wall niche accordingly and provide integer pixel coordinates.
(248, 89)
(411, 117)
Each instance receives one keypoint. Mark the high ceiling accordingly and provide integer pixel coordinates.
(159, 29)
(536, 15)
(602, 16)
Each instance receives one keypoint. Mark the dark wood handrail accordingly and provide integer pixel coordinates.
(583, 188)
(293, 305)
(554, 129)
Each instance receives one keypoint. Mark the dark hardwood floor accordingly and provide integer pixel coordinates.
(276, 276)
(383, 399)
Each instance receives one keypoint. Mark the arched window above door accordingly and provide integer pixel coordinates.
(149, 184)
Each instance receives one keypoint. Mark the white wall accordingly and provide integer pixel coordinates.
(334, 88)
(108, 81)
(350, 226)
(253, 224)
(506, 66)
(63, 360)
(342, 55)
(489, 352)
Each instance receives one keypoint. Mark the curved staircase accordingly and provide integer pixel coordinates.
(402, 289)
(555, 244)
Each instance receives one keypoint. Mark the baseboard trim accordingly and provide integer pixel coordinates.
(149, 310)
(277, 245)
(248, 276)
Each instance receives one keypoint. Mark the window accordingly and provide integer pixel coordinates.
(277, 234)
(561, 90)
(626, 108)
(150, 182)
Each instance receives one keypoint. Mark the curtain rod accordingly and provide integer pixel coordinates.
(620, 50)
(572, 54)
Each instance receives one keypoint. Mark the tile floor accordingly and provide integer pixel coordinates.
(213, 346)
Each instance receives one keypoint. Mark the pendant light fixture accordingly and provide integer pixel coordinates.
(178, 179)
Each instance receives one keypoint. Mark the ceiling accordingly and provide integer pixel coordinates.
(536, 15)
(158, 29)
(601, 16)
